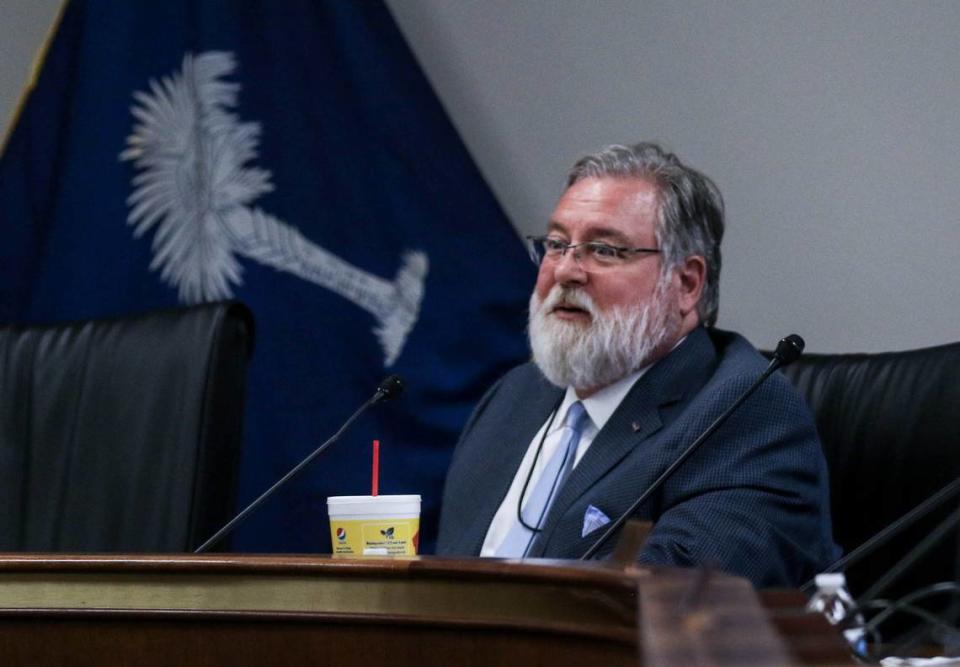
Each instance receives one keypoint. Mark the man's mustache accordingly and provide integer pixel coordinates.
(565, 297)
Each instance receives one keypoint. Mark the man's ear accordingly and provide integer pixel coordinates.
(689, 279)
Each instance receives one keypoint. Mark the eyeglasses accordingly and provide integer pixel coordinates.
(591, 256)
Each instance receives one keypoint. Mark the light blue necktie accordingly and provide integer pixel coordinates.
(538, 500)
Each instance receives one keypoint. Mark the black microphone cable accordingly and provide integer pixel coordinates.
(907, 602)
(908, 605)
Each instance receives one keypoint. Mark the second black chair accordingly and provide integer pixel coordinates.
(122, 435)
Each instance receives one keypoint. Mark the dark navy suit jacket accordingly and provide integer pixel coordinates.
(753, 500)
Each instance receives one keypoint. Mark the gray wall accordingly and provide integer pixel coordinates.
(23, 27)
(832, 128)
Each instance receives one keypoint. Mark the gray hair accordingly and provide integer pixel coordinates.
(691, 209)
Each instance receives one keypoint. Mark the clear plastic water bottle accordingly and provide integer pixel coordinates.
(834, 601)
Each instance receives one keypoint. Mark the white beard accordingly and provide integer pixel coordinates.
(613, 345)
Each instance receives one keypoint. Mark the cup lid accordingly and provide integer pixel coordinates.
(356, 500)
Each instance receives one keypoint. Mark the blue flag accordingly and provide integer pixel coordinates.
(293, 156)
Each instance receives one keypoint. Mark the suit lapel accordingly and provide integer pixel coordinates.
(502, 453)
(636, 419)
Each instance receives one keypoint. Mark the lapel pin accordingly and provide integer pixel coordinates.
(636, 426)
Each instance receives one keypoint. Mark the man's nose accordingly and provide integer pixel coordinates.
(568, 269)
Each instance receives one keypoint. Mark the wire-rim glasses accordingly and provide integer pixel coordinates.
(591, 255)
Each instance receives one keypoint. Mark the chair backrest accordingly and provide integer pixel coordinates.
(890, 427)
(124, 434)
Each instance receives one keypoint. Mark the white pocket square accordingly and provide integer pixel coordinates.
(593, 519)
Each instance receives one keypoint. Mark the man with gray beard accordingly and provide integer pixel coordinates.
(627, 371)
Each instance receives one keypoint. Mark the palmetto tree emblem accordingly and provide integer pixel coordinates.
(194, 190)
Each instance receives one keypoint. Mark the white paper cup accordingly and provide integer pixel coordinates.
(374, 525)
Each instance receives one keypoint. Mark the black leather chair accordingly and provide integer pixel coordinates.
(124, 434)
(890, 426)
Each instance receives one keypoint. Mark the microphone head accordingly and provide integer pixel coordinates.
(789, 349)
(389, 388)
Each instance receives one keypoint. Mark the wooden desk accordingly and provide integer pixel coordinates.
(297, 610)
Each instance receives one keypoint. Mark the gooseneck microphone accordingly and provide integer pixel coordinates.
(788, 350)
(388, 389)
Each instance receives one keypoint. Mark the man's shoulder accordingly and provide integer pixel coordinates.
(732, 356)
(740, 364)
(707, 357)
(734, 352)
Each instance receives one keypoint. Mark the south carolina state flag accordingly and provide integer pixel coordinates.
(290, 155)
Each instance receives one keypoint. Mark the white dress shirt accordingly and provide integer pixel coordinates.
(600, 407)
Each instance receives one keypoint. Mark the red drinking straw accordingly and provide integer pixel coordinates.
(376, 469)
